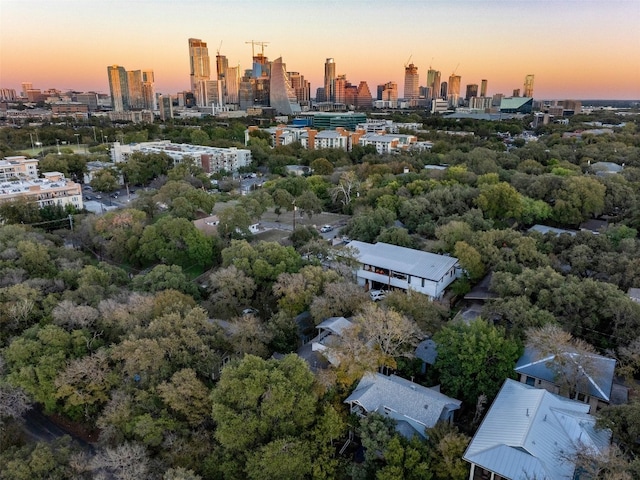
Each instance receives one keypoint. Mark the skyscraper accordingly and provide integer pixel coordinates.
(329, 80)
(233, 84)
(119, 88)
(222, 65)
(528, 86)
(134, 81)
(411, 83)
(363, 96)
(472, 91)
(148, 90)
(483, 87)
(444, 87)
(282, 96)
(454, 89)
(199, 69)
(340, 86)
(433, 82)
(301, 87)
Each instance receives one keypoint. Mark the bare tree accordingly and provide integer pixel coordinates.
(347, 186)
(573, 361)
(128, 461)
(68, 314)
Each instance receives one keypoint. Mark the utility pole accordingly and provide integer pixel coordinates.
(294, 214)
(71, 222)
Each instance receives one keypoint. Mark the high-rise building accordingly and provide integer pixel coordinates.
(340, 89)
(233, 84)
(148, 90)
(282, 96)
(411, 83)
(483, 87)
(388, 92)
(222, 67)
(433, 82)
(301, 87)
(119, 88)
(444, 89)
(26, 86)
(329, 80)
(199, 69)
(472, 91)
(528, 86)
(454, 89)
(363, 96)
(134, 81)
(166, 107)
(516, 92)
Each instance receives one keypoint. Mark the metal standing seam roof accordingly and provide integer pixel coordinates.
(404, 260)
(599, 382)
(405, 397)
(335, 325)
(530, 431)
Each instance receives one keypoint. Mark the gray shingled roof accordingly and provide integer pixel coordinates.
(599, 382)
(404, 260)
(531, 433)
(405, 397)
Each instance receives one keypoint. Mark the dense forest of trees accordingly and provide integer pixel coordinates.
(137, 338)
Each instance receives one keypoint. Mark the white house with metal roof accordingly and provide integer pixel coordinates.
(329, 333)
(531, 433)
(413, 407)
(388, 266)
(591, 374)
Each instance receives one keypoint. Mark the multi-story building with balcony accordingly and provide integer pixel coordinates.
(18, 168)
(53, 189)
(386, 267)
(210, 159)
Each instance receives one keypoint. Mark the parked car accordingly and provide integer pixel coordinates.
(377, 295)
(249, 311)
(326, 228)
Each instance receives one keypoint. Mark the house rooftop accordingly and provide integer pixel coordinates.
(404, 260)
(531, 433)
(409, 399)
(598, 383)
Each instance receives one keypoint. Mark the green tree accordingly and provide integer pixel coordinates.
(474, 359)
(321, 166)
(231, 291)
(163, 277)
(263, 261)
(175, 241)
(579, 198)
(263, 405)
(105, 180)
(309, 203)
(470, 260)
(500, 201)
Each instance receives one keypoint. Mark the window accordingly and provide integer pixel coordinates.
(530, 381)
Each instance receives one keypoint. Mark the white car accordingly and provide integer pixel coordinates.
(326, 228)
(249, 311)
(377, 295)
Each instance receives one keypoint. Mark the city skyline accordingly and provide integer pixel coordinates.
(586, 49)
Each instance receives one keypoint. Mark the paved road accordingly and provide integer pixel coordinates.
(39, 428)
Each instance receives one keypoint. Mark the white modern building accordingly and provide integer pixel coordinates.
(384, 266)
(210, 159)
(53, 189)
(326, 139)
(387, 143)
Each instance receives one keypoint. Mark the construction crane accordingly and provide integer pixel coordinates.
(406, 64)
(455, 69)
(254, 43)
(219, 47)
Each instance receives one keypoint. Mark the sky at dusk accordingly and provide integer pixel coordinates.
(583, 49)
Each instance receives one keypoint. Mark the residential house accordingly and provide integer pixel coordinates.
(386, 266)
(329, 332)
(531, 433)
(413, 407)
(591, 375)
